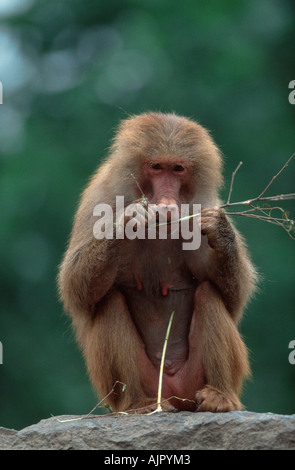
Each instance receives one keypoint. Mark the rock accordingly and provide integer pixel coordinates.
(241, 430)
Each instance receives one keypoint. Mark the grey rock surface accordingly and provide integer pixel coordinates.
(164, 431)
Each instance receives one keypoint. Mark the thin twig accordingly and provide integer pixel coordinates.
(159, 407)
(99, 404)
(286, 223)
(248, 202)
(260, 198)
(112, 390)
(275, 177)
(144, 198)
(232, 182)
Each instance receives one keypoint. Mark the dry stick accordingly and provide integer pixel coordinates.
(101, 401)
(96, 406)
(249, 202)
(275, 177)
(148, 406)
(286, 223)
(232, 181)
(260, 198)
(144, 198)
(159, 407)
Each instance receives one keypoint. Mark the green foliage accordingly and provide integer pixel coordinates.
(70, 70)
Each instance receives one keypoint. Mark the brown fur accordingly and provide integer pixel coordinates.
(120, 327)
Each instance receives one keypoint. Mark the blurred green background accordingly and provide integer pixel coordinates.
(71, 69)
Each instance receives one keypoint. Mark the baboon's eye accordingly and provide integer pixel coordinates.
(156, 166)
(178, 168)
